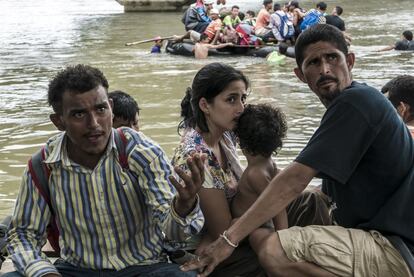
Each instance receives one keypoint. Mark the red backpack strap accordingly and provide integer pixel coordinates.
(40, 174)
(121, 143)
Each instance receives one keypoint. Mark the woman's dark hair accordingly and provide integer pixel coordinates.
(209, 82)
(317, 33)
(260, 129)
(78, 79)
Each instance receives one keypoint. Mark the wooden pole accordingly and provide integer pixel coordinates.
(148, 40)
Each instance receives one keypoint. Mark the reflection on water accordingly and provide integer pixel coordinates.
(37, 38)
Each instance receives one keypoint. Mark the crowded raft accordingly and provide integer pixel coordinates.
(212, 28)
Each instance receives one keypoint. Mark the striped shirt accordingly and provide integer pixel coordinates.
(108, 218)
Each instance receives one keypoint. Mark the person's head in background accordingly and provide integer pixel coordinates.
(268, 4)
(242, 16)
(250, 14)
(125, 110)
(400, 92)
(283, 47)
(337, 11)
(321, 6)
(408, 35)
(158, 43)
(294, 4)
(285, 7)
(235, 11)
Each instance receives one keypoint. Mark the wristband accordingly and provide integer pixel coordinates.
(224, 236)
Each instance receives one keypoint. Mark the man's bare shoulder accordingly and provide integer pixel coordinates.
(200, 50)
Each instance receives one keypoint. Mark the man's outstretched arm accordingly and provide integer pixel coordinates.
(284, 188)
(388, 48)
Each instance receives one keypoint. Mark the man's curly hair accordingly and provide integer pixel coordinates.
(260, 129)
(78, 79)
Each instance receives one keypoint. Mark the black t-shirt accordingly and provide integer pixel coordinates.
(336, 21)
(402, 45)
(411, 46)
(365, 155)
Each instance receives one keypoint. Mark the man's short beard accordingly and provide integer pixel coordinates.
(328, 98)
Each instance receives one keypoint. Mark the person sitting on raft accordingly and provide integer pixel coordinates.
(212, 31)
(196, 17)
(233, 19)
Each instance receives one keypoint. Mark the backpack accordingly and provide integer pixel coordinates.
(40, 173)
(4, 226)
(191, 18)
(310, 19)
(286, 28)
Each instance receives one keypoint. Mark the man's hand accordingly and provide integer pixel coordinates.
(214, 254)
(187, 192)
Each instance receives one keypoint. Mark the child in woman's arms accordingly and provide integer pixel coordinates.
(260, 130)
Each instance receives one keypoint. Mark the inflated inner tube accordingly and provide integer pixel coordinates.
(186, 48)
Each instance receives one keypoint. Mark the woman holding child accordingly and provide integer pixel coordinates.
(211, 109)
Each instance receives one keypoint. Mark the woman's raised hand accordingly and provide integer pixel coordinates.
(188, 189)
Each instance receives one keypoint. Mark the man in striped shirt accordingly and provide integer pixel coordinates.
(111, 220)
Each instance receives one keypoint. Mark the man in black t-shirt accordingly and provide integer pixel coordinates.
(365, 156)
(405, 44)
(335, 20)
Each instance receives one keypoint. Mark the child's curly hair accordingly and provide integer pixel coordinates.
(260, 129)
